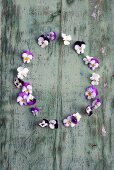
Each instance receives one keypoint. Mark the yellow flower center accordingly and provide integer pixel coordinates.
(93, 65)
(68, 122)
(22, 100)
(89, 94)
(80, 48)
(27, 90)
(26, 58)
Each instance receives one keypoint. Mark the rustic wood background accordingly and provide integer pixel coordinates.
(58, 77)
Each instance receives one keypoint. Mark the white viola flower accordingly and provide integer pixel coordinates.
(53, 124)
(87, 59)
(43, 41)
(67, 121)
(95, 79)
(78, 116)
(27, 89)
(44, 123)
(66, 39)
(89, 110)
(22, 72)
(79, 47)
(27, 56)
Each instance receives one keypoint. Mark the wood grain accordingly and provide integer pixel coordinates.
(59, 78)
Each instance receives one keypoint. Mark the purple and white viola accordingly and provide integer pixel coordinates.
(27, 88)
(91, 92)
(43, 41)
(52, 36)
(72, 120)
(22, 98)
(27, 56)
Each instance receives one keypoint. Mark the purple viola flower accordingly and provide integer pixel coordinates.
(35, 111)
(91, 92)
(22, 98)
(96, 103)
(27, 89)
(27, 56)
(72, 120)
(31, 100)
(94, 63)
(43, 41)
(52, 36)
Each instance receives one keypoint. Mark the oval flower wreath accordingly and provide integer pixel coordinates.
(26, 97)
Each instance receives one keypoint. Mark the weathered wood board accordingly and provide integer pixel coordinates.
(58, 77)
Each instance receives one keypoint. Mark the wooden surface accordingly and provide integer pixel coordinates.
(58, 77)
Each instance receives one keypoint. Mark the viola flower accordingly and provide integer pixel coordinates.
(31, 100)
(72, 120)
(22, 72)
(35, 111)
(67, 121)
(89, 110)
(52, 36)
(96, 103)
(79, 47)
(18, 82)
(43, 41)
(94, 63)
(95, 79)
(27, 89)
(22, 98)
(53, 124)
(44, 123)
(91, 92)
(66, 39)
(27, 56)
(87, 59)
